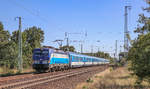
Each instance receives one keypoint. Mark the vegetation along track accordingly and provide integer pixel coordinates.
(37, 81)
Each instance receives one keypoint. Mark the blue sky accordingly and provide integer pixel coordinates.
(102, 19)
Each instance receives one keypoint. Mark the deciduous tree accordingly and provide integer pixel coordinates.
(139, 54)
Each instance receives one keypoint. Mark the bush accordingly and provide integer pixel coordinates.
(84, 87)
(89, 80)
(139, 58)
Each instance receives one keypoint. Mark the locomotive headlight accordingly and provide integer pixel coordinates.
(44, 61)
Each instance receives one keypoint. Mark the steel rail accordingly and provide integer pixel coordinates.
(33, 82)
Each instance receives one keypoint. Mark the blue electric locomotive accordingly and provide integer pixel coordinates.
(49, 59)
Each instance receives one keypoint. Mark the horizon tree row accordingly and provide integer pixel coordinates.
(32, 37)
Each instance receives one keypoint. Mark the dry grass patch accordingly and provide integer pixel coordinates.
(12, 72)
(1, 70)
(28, 70)
(115, 79)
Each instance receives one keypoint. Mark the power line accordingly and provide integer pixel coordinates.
(28, 10)
(59, 41)
(31, 12)
(81, 45)
(116, 49)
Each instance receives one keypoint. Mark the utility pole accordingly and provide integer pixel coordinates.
(80, 44)
(120, 48)
(116, 50)
(98, 49)
(81, 48)
(126, 32)
(92, 49)
(20, 61)
(98, 46)
(66, 37)
(67, 40)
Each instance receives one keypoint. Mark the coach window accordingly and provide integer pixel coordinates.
(78, 59)
(75, 58)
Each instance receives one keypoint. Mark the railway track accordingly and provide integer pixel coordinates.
(24, 77)
(45, 79)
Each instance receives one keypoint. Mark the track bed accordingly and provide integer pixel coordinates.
(54, 80)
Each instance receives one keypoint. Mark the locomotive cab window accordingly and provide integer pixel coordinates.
(45, 53)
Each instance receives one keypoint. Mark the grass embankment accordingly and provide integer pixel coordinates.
(112, 79)
(11, 72)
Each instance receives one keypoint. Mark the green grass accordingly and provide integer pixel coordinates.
(1, 70)
(84, 87)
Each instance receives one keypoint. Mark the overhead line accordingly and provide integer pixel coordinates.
(28, 10)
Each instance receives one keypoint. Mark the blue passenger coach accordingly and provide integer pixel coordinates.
(79, 60)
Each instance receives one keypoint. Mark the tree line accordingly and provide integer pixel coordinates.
(32, 37)
(139, 53)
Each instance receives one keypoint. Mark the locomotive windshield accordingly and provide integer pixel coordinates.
(41, 53)
(45, 53)
(37, 53)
